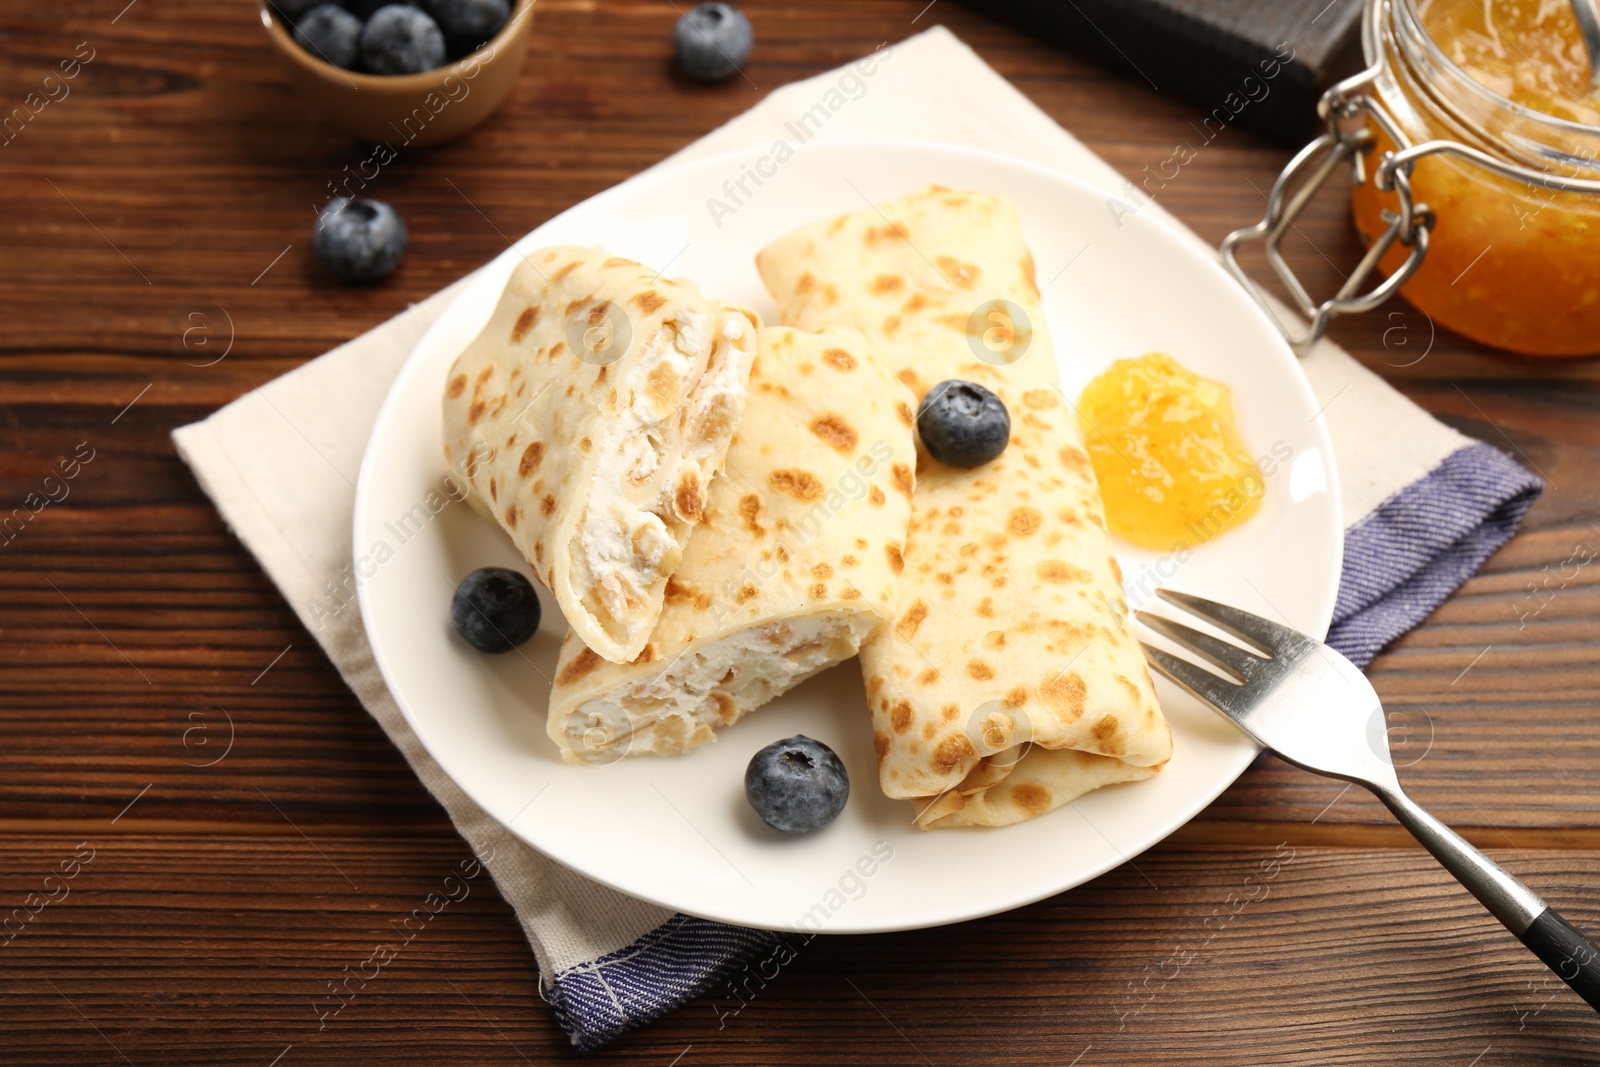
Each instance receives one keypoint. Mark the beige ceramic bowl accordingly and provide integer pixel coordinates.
(407, 109)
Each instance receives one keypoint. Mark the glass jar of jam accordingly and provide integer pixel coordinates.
(1474, 141)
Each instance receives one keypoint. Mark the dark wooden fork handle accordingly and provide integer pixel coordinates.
(1567, 952)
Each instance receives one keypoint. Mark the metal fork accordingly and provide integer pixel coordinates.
(1310, 705)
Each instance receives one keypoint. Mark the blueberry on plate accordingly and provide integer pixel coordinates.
(495, 610)
(359, 240)
(401, 39)
(712, 42)
(962, 424)
(332, 34)
(797, 785)
(470, 22)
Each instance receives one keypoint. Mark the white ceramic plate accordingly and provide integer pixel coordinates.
(678, 831)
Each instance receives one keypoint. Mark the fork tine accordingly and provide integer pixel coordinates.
(1232, 660)
(1199, 682)
(1266, 636)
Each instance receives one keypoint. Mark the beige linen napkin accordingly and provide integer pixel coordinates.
(281, 463)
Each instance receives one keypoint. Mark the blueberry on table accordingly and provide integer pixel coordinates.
(359, 240)
(797, 785)
(962, 424)
(330, 33)
(400, 39)
(470, 21)
(494, 609)
(712, 42)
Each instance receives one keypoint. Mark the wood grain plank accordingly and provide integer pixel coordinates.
(177, 951)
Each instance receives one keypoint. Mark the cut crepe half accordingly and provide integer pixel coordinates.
(589, 418)
(1010, 646)
(795, 563)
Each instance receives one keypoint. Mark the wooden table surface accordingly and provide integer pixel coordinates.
(173, 190)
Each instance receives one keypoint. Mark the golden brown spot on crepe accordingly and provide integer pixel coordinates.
(897, 562)
(571, 307)
(848, 561)
(997, 730)
(876, 235)
(1116, 571)
(649, 301)
(819, 591)
(783, 553)
(1059, 571)
(1097, 520)
(979, 670)
(951, 753)
(887, 283)
(874, 684)
(1072, 458)
(956, 272)
(907, 626)
(750, 512)
(1017, 697)
(563, 272)
(891, 325)
(928, 677)
(909, 378)
(876, 495)
(797, 483)
(994, 639)
(1068, 516)
(900, 717)
(511, 517)
(676, 590)
(805, 283)
(840, 435)
(1024, 521)
(524, 323)
(850, 593)
(475, 412)
(903, 479)
(530, 458)
(494, 491)
(830, 296)
(582, 664)
(1031, 798)
(822, 570)
(647, 654)
(663, 384)
(1039, 399)
(458, 385)
(930, 730)
(985, 608)
(687, 502)
(1133, 690)
(1105, 727)
(614, 261)
(749, 592)
(547, 505)
(586, 444)
(839, 359)
(880, 744)
(538, 552)
(1065, 691)
(950, 712)
(727, 710)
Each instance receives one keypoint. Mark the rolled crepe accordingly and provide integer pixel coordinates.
(1009, 682)
(795, 563)
(589, 418)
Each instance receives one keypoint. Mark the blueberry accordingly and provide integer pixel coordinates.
(359, 240)
(712, 42)
(363, 9)
(400, 39)
(293, 9)
(962, 424)
(797, 786)
(469, 23)
(494, 609)
(330, 33)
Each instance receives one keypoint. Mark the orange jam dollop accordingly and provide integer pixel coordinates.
(1529, 51)
(1166, 449)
